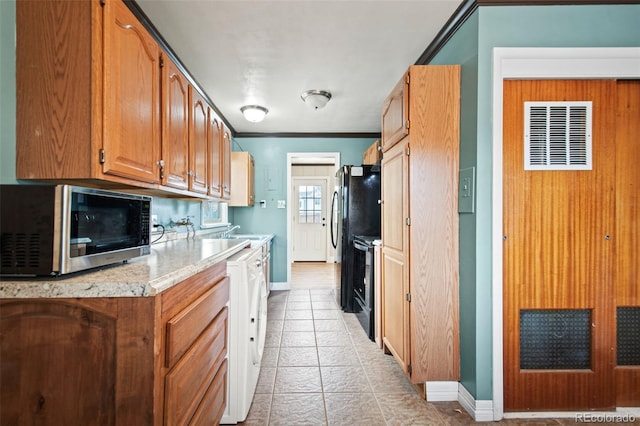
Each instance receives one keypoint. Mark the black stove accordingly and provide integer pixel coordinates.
(363, 286)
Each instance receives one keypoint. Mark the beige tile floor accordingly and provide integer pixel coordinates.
(319, 368)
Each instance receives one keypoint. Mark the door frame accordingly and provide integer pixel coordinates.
(327, 158)
(535, 63)
(325, 207)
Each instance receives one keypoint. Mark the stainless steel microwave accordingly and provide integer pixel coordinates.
(61, 229)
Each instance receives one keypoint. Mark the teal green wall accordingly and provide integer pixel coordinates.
(270, 157)
(7, 92)
(506, 26)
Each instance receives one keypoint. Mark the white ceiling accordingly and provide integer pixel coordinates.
(269, 52)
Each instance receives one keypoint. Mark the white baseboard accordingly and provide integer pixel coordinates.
(481, 411)
(442, 391)
(280, 286)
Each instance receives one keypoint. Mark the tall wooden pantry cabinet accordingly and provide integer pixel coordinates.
(420, 143)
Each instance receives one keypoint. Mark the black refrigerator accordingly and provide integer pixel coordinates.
(355, 211)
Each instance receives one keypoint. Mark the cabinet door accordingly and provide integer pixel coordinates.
(214, 144)
(131, 118)
(242, 177)
(226, 164)
(198, 123)
(251, 186)
(395, 246)
(395, 114)
(49, 350)
(175, 129)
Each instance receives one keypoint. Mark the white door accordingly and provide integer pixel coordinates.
(310, 219)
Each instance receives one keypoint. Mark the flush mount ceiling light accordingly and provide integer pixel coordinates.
(254, 113)
(316, 99)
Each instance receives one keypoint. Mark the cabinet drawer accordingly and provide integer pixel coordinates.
(187, 382)
(212, 406)
(185, 327)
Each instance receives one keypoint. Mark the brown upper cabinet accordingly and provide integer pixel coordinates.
(175, 135)
(99, 103)
(395, 114)
(242, 178)
(214, 146)
(198, 124)
(226, 163)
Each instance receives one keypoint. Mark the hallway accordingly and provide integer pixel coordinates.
(319, 368)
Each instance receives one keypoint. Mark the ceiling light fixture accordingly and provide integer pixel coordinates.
(316, 99)
(254, 113)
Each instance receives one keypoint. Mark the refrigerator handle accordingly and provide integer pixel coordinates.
(334, 205)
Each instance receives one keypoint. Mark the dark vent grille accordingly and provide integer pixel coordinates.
(628, 334)
(555, 339)
(20, 251)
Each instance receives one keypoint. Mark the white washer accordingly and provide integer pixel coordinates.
(247, 328)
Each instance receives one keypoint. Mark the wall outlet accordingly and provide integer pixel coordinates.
(154, 219)
(282, 204)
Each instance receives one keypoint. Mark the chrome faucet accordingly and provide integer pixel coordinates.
(186, 222)
(228, 232)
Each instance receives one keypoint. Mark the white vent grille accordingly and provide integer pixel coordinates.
(557, 136)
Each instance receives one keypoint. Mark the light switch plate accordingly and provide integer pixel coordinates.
(467, 190)
(282, 204)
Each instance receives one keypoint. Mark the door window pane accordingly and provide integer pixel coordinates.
(310, 204)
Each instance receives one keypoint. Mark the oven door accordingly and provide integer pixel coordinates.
(361, 271)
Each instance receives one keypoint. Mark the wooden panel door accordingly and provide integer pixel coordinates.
(395, 249)
(131, 119)
(558, 252)
(433, 242)
(627, 234)
(226, 163)
(59, 364)
(175, 128)
(395, 114)
(198, 123)
(214, 145)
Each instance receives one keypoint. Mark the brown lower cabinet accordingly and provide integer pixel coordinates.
(157, 360)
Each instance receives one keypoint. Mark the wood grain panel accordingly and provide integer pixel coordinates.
(188, 381)
(395, 309)
(214, 401)
(395, 253)
(214, 147)
(132, 97)
(627, 235)
(394, 193)
(556, 255)
(185, 327)
(75, 355)
(179, 297)
(198, 125)
(175, 126)
(53, 116)
(395, 113)
(136, 351)
(226, 163)
(433, 179)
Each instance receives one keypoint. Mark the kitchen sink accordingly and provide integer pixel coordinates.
(246, 237)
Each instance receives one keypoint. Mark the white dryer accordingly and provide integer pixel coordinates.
(247, 328)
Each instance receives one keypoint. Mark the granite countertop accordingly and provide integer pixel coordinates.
(168, 264)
